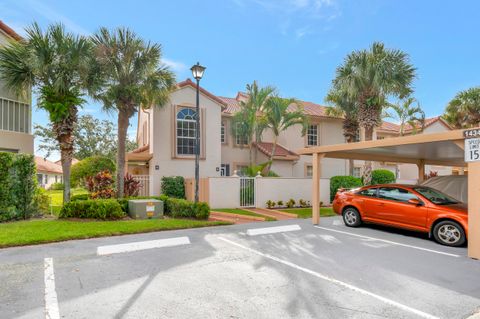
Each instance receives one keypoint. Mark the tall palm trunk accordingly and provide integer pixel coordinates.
(64, 135)
(123, 122)
(367, 167)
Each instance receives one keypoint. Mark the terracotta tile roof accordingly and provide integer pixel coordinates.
(395, 128)
(46, 166)
(309, 108)
(280, 151)
(5, 28)
(189, 82)
(388, 126)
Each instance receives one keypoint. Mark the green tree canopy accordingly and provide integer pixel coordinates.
(406, 112)
(90, 166)
(463, 111)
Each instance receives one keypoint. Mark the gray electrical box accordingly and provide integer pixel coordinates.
(145, 208)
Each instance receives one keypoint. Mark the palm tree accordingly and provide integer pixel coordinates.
(406, 113)
(58, 66)
(346, 108)
(278, 115)
(370, 77)
(247, 122)
(463, 111)
(133, 77)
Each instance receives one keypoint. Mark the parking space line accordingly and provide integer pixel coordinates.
(272, 230)
(333, 280)
(142, 245)
(388, 241)
(51, 302)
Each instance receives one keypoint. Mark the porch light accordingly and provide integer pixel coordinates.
(197, 71)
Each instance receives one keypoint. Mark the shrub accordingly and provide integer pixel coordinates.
(302, 203)
(181, 208)
(131, 186)
(382, 176)
(6, 178)
(42, 201)
(100, 185)
(97, 209)
(79, 197)
(173, 186)
(337, 182)
(280, 203)
(90, 166)
(57, 186)
(201, 210)
(270, 204)
(24, 185)
(290, 203)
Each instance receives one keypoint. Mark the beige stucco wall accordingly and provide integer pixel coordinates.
(49, 179)
(163, 139)
(16, 142)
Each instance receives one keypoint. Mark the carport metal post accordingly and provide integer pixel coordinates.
(421, 171)
(317, 172)
(474, 210)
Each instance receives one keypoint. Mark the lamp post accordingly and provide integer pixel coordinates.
(197, 72)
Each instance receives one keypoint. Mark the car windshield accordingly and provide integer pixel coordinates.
(435, 196)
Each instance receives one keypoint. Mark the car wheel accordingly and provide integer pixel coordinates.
(449, 233)
(351, 217)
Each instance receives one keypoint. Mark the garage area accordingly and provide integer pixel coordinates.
(457, 148)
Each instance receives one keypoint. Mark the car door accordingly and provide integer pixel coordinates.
(395, 207)
(366, 200)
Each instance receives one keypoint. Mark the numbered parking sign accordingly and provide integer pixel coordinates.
(472, 149)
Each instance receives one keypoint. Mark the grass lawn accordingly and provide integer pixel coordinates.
(242, 212)
(57, 196)
(49, 230)
(307, 212)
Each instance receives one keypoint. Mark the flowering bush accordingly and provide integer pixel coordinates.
(131, 186)
(100, 185)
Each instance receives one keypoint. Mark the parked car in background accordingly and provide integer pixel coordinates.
(455, 186)
(413, 207)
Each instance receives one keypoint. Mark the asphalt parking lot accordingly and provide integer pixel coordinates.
(289, 269)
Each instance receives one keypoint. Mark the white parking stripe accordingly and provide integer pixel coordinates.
(142, 245)
(333, 280)
(51, 301)
(272, 230)
(389, 242)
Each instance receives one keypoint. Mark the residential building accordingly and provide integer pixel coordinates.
(47, 172)
(166, 139)
(15, 111)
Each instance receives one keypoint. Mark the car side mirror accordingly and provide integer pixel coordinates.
(415, 202)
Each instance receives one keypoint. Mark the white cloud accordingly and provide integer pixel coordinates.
(175, 65)
(53, 16)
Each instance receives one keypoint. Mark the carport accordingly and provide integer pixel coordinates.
(444, 149)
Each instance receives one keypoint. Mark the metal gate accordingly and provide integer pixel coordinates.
(247, 191)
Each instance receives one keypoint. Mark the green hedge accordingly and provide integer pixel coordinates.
(97, 209)
(181, 208)
(173, 186)
(57, 187)
(337, 182)
(382, 176)
(18, 187)
(79, 197)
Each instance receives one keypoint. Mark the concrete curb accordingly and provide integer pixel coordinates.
(233, 215)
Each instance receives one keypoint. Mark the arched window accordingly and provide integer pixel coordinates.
(186, 131)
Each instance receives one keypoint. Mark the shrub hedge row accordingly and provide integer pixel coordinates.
(82, 207)
(337, 182)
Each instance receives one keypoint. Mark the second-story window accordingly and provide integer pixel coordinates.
(186, 131)
(222, 133)
(240, 139)
(312, 135)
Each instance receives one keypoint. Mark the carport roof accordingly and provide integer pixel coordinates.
(444, 149)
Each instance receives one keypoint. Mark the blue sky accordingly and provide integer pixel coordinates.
(294, 45)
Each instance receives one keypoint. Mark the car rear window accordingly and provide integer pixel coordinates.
(370, 192)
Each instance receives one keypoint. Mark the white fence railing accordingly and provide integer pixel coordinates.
(144, 184)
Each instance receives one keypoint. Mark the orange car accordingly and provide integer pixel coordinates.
(416, 208)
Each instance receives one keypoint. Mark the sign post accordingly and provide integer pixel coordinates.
(472, 157)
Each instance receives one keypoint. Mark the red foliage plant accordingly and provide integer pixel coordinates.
(431, 174)
(101, 185)
(131, 186)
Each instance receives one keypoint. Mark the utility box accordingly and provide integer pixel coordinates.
(145, 208)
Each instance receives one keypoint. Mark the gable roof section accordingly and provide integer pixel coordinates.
(388, 127)
(46, 166)
(9, 31)
(281, 152)
(190, 83)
